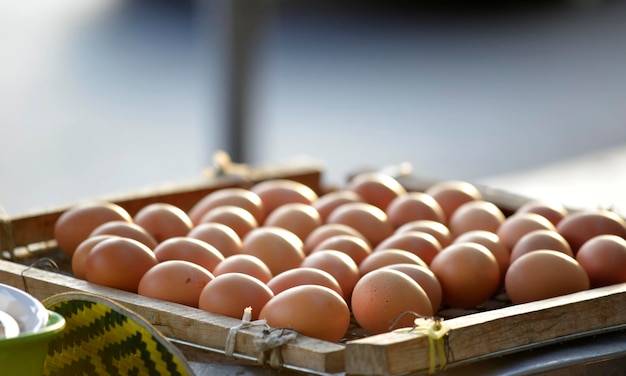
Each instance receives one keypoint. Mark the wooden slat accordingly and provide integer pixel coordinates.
(492, 333)
(178, 321)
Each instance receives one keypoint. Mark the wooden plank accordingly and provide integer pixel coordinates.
(178, 321)
(492, 333)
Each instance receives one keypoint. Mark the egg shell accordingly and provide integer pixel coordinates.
(604, 259)
(326, 231)
(220, 236)
(80, 254)
(413, 206)
(233, 196)
(552, 210)
(544, 274)
(382, 296)
(311, 310)
(189, 249)
(425, 278)
(367, 219)
(119, 262)
(540, 239)
(421, 244)
(76, 223)
(231, 293)
(475, 215)
(328, 202)
(163, 221)
(355, 247)
(450, 194)
(246, 264)
(493, 244)
(388, 256)
(578, 227)
(176, 281)
(337, 264)
(469, 274)
(303, 276)
(239, 219)
(126, 230)
(436, 229)
(278, 248)
(301, 219)
(520, 224)
(376, 188)
(276, 192)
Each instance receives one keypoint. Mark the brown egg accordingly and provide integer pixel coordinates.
(581, 226)
(126, 230)
(425, 278)
(518, 225)
(176, 281)
(603, 258)
(231, 293)
(469, 274)
(367, 219)
(313, 311)
(493, 244)
(234, 196)
(277, 192)
(382, 296)
(450, 194)
(301, 219)
(328, 202)
(540, 239)
(326, 231)
(553, 211)
(355, 247)
(163, 221)
(413, 206)
(544, 274)
(421, 244)
(240, 220)
(475, 215)
(386, 257)
(119, 262)
(337, 264)
(376, 188)
(80, 255)
(278, 248)
(76, 223)
(437, 229)
(246, 264)
(303, 276)
(220, 236)
(189, 249)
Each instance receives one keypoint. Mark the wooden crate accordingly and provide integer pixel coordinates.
(497, 330)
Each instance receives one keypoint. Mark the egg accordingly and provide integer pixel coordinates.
(413, 206)
(231, 293)
(163, 221)
(540, 239)
(80, 254)
(246, 264)
(425, 278)
(176, 281)
(328, 230)
(367, 219)
(76, 223)
(581, 226)
(328, 202)
(119, 262)
(385, 257)
(276, 192)
(303, 276)
(554, 211)
(232, 196)
(376, 188)
(355, 247)
(189, 249)
(337, 264)
(220, 236)
(383, 296)
(301, 219)
(450, 194)
(239, 219)
(278, 248)
(469, 274)
(313, 311)
(603, 258)
(492, 242)
(437, 229)
(475, 215)
(127, 230)
(520, 224)
(422, 244)
(544, 274)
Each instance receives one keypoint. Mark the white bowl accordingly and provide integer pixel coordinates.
(29, 313)
(9, 328)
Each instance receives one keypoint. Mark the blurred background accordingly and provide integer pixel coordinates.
(108, 96)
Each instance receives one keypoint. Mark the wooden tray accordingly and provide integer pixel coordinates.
(498, 330)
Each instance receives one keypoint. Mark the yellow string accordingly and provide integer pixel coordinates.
(436, 330)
